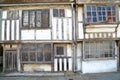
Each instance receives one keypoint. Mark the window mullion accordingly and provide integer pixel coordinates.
(43, 53)
(29, 19)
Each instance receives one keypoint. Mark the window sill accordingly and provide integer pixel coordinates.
(28, 28)
(96, 23)
(25, 62)
(97, 59)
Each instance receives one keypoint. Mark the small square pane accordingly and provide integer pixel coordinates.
(88, 8)
(103, 13)
(99, 13)
(99, 8)
(94, 19)
(89, 19)
(88, 13)
(100, 18)
(114, 19)
(60, 50)
(93, 7)
(109, 8)
(94, 13)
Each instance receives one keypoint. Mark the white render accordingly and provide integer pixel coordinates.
(98, 66)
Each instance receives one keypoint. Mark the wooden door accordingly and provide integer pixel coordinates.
(10, 60)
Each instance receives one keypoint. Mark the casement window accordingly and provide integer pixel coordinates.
(60, 50)
(13, 14)
(99, 49)
(36, 53)
(58, 13)
(35, 18)
(98, 13)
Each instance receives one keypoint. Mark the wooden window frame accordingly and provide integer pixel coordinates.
(92, 10)
(99, 50)
(59, 12)
(64, 47)
(35, 19)
(36, 52)
(13, 14)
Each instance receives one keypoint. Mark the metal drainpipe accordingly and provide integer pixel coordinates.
(74, 37)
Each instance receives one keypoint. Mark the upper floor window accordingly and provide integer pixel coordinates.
(58, 12)
(96, 14)
(13, 15)
(36, 18)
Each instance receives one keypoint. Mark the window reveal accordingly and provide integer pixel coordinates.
(100, 14)
(36, 53)
(99, 49)
(36, 18)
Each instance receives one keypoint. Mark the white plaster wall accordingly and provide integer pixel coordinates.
(79, 53)
(43, 34)
(119, 13)
(100, 29)
(118, 32)
(36, 67)
(80, 14)
(27, 35)
(4, 14)
(80, 31)
(69, 50)
(99, 66)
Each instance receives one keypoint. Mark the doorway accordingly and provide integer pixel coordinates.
(10, 60)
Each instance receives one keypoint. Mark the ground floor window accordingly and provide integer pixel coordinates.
(35, 53)
(60, 50)
(99, 49)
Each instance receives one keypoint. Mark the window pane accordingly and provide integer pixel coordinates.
(62, 13)
(89, 19)
(39, 56)
(94, 8)
(88, 8)
(94, 19)
(32, 18)
(47, 52)
(32, 56)
(59, 50)
(24, 56)
(45, 18)
(25, 18)
(94, 13)
(38, 18)
(89, 14)
(55, 12)
(40, 53)
(109, 8)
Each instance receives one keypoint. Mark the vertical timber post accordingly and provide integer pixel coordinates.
(18, 59)
(3, 59)
(74, 37)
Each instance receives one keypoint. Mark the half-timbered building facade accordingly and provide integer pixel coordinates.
(97, 30)
(59, 36)
(37, 35)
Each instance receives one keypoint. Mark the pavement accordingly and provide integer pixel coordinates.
(60, 76)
